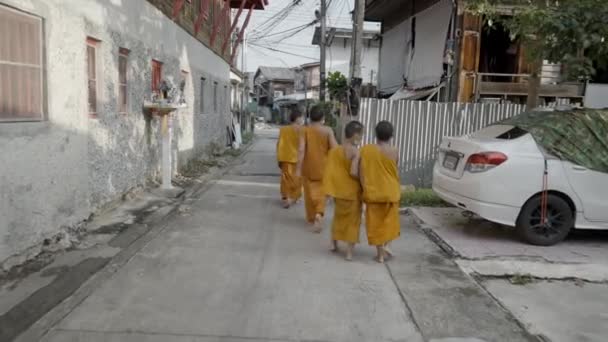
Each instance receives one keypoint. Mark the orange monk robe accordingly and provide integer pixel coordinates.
(315, 157)
(287, 156)
(381, 194)
(346, 191)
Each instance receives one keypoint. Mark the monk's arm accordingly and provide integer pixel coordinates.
(301, 151)
(332, 139)
(396, 151)
(354, 167)
(278, 141)
(360, 174)
(354, 156)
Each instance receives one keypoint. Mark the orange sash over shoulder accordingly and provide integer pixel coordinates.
(317, 147)
(337, 181)
(289, 142)
(380, 176)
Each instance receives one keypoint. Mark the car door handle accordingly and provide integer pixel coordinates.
(579, 168)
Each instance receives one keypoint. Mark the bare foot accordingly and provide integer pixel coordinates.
(388, 252)
(380, 256)
(318, 225)
(334, 246)
(349, 253)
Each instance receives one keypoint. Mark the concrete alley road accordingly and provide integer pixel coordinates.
(239, 268)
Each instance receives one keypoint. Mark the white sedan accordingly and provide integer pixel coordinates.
(498, 174)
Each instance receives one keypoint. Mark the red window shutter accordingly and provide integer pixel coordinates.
(156, 75)
(205, 8)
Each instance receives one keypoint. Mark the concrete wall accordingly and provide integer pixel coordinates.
(56, 172)
(338, 57)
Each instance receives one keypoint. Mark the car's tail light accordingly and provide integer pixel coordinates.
(480, 162)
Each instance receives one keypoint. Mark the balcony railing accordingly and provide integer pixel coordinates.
(516, 85)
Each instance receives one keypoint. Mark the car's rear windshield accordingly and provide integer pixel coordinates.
(513, 133)
(502, 132)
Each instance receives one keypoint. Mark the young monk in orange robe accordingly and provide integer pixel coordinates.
(381, 190)
(287, 156)
(315, 143)
(339, 183)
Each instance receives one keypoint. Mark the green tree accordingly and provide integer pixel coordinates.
(571, 32)
(337, 85)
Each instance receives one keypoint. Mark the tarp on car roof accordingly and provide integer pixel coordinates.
(578, 136)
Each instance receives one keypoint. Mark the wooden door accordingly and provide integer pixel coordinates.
(470, 49)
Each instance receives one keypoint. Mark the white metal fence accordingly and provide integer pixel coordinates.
(420, 126)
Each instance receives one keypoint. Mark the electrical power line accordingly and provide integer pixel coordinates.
(282, 32)
(253, 47)
(294, 33)
(276, 14)
(283, 35)
(267, 26)
(270, 38)
(286, 44)
(281, 51)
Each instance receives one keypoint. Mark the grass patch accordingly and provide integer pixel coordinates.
(421, 198)
(521, 279)
(233, 152)
(247, 137)
(198, 167)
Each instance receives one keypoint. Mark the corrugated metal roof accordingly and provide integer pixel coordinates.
(342, 32)
(276, 73)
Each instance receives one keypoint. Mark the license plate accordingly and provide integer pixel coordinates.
(450, 161)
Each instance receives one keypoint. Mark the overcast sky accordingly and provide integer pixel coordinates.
(281, 40)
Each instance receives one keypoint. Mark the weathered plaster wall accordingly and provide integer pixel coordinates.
(55, 173)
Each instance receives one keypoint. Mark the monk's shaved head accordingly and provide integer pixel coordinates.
(316, 113)
(352, 128)
(295, 116)
(384, 131)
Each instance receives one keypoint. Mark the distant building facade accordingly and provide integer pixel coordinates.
(339, 49)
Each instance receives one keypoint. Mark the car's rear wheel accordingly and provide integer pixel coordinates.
(560, 220)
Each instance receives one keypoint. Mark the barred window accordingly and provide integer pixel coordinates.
(21, 66)
(123, 94)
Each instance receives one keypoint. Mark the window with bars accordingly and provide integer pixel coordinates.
(203, 7)
(226, 99)
(123, 80)
(215, 97)
(21, 66)
(157, 74)
(202, 95)
(92, 76)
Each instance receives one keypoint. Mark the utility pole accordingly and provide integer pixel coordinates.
(357, 49)
(304, 78)
(323, 45)
(243, 86)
